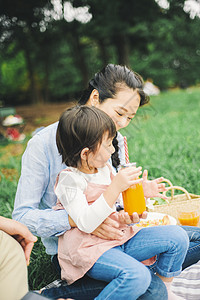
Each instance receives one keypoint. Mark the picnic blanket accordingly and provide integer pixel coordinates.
(187, 284)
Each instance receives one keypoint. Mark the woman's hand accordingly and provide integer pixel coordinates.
(153, 188)
(21, 233)
(108, 230)
(71, 222)
(124, 217)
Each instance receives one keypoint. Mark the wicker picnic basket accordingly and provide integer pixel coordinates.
(178, 202)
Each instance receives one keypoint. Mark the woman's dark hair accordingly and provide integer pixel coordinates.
(108, 82)
(80, 127)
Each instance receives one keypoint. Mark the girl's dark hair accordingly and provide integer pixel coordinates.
(80, 127)
(108, 82)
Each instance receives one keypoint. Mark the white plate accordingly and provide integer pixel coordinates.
(157, 216)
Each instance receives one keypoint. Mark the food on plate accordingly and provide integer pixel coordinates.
(154, 222)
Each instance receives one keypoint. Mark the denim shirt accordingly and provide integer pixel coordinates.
(35, 197)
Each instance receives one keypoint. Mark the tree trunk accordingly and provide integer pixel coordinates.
(122, 47)
(34, 94)
(103, 52)
(79, 59)
(46, 80)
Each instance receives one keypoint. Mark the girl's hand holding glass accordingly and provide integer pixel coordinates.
(127, 177)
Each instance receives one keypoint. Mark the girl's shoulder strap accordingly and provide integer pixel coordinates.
(57, 178)
(111, 171)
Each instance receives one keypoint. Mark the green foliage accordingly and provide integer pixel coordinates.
(53, 59)
(64, 79)
(14, 79)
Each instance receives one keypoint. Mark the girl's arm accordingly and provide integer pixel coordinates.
(122, 181)
(70, 192)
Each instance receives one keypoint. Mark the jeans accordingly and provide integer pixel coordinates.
(87, 288)
(193, 254)
(121, 266)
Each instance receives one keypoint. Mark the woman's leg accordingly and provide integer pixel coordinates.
(89, 288)
(193, 253)
(128, 277)
(85, 288)
(170, 242)
(156, 291)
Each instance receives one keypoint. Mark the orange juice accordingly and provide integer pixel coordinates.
(134, 200)
(189, 218)
(133, 197)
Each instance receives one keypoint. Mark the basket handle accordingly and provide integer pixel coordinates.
(172, 188)
(168, 181)
(170, 184)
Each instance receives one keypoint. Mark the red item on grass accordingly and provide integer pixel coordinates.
(13, 133)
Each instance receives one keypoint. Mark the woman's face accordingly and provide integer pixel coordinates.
(123, 107)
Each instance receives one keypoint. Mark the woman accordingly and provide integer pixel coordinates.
(115, 90)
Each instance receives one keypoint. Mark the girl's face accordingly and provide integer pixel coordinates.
(102, 155)
(123, 107)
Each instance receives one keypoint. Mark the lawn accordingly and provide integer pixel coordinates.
(164, 138)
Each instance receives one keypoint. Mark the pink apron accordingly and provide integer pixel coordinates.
(78, 251)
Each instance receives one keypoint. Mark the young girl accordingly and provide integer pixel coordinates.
(88, 191)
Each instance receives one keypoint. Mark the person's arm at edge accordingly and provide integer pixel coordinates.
(21, 233)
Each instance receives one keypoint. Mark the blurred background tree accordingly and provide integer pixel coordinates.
(50, 49)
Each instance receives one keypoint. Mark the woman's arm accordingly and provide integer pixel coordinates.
(35, 192)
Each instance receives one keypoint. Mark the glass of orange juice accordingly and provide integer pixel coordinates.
(189, 216)
(133, 197)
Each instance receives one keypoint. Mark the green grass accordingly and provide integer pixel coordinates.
(164, 138)
(40, 270)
